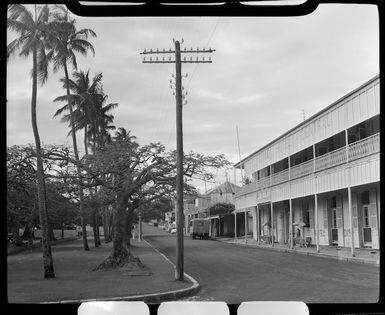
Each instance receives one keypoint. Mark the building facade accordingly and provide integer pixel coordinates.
(220, 224)
(319, 183)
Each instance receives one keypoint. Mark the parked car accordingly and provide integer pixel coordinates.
(199, 228)
(173, 231)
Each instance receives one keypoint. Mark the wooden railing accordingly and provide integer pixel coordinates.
(280, 177)
(356, 150)
(330, 159)
(364, 147)
(302, 169)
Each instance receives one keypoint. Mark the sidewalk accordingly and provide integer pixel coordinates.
(363, 256)
(76, 282)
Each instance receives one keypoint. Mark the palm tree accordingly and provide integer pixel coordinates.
(89, 114)
(32, 29)
(65, 42)
(86, 95)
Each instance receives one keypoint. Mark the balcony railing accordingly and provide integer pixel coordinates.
(330, 159)
(356, 150)
(364, 147)
(302, 169)
(280, 177)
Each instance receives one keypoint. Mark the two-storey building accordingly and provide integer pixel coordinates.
(320, 181)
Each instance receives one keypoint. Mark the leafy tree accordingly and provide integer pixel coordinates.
(32, 29)
(221, 208)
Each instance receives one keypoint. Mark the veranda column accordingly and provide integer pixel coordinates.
(316, 221)
(258, 227)
(235, 224)
(246, 226)
(291, 224)
(272, 224)
(349, 193)
(351, 218)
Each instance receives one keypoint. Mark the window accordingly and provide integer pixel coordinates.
(334, 202)
(365, 198)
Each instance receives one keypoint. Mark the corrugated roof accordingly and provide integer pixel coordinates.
(225, 188)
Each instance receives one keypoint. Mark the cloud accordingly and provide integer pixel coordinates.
(265, 71)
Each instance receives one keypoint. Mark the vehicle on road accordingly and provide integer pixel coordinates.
(199, 228)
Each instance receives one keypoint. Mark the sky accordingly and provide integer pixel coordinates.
(267, 74)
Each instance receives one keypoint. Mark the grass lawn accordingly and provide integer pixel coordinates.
(75, 279)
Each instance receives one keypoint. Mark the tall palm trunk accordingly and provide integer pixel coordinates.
(84, 230)
(43, 213)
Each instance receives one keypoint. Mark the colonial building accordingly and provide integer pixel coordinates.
(221, 224)
(319, 182)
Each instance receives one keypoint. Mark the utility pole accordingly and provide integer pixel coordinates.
(179, 273)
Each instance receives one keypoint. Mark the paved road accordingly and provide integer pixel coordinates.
(234, 274)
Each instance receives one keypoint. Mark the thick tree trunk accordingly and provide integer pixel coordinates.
(85, 243)
(105, 225)
(16, 236)
(95, 228)
(43, 213)
(119, 244)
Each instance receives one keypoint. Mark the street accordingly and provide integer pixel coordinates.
(234, 274)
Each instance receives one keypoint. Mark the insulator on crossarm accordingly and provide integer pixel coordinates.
(182, 40)
(151, 50)
(204, 49)
(197, 58)
(156, 58)
(169, 58)
(150, 58)
(184, 58)
(190, 58)
(185, 48)
(144, 58)
(209, 58)
(164, 50)
(163, 59)
(203, 58)
(157, 50)
(144, 50)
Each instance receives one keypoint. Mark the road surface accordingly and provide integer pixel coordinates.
(233, 274)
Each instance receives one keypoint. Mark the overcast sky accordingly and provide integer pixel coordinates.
(266, 71)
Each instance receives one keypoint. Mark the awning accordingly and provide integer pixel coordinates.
(240, 211)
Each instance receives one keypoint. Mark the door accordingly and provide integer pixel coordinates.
(367, 231)
(334, 226)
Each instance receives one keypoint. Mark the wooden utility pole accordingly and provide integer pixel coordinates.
(179, 272)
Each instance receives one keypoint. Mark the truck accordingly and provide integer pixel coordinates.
(199, 228)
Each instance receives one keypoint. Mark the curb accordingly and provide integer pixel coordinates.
(348, 259)
(154, 298)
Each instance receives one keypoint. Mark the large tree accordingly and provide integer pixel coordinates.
(65, 41)
(32, 29)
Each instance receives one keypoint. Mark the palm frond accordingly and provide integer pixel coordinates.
(21, 13)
